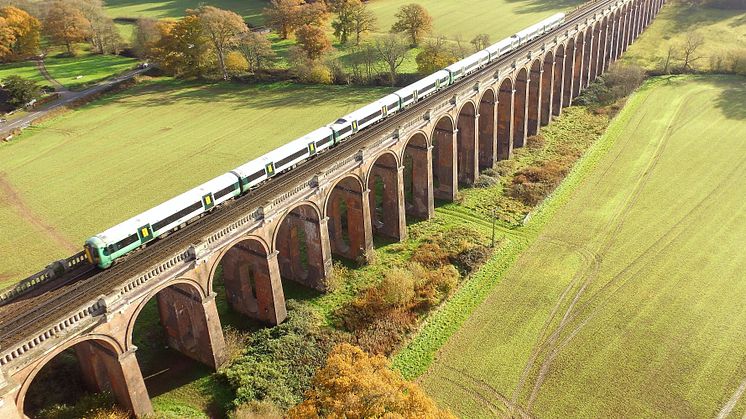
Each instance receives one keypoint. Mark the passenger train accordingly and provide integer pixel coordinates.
(105, 248)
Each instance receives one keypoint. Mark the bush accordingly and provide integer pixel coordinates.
(385, 334)
(534, 183)
(491, 172)
(93, 406)
(485, 181)
(257, 410)
(468, 260)
(235, 63)
(535, 142)
(397, 288)
(430, 255)
(21, 91)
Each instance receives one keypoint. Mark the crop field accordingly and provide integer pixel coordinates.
(629, 300)
(91, 168)
(724, 31)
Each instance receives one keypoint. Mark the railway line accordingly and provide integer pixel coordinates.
(41, 307)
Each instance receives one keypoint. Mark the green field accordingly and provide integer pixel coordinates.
(26, 69)
(93, 167)
(90, 67)
(724, 31)
(251, 10)
(629, 303)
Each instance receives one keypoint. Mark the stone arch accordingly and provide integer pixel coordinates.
(299, 240)
(595, 51)
(505, 120)
(349, 225)
(630, 13)
(417, 158)
(534, 97)
(579, 65)
(487, 130)
(547, 88)
(386, 186)
(587, 57)
(520, 110)
(602, 40)
(104, 366)
(443, 140)
(467, 149)
(558, 88)
(567, 73)
(251, 276)
(614, 36)
(189, 319)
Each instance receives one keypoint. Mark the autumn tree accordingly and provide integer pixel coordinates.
(353, 17)
(392, 50)
(235, 63)
(257, 50)
(286, 16)
(353, 384)
(223, 28)
(413, 20)
(363, 21)
(313, 41)
(19, 34)
(183, 49)
(104, 35)
(480, 41)
(435, 55)
(65, 24)
(146, 35)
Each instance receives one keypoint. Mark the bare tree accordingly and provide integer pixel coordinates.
(481, 41)
(692, 43)
(671, 54)
(392, 49)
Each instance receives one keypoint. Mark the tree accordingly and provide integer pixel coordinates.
(313, 41)
(235, 63)
(21, 91)
(414, 20)
(692, 42)
(66, 25)
(19, 34)
(104, 35)
(353, 384)
(434, 56)
(392, 49)
(671, 53)
(286, 16)
(223, 28)
(364, 62)
(183, 49)
(146, 35)
(363, 21)
(481, 41)
(344, 25)
(257, 50)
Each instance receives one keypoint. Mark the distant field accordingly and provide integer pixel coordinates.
(251, 10)
(630, 301)
(26, 69)
(91, 168)
(91, 68)
(723, 30)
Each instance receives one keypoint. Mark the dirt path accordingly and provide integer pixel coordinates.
(728, 408)
(12, 196)
(58, 87)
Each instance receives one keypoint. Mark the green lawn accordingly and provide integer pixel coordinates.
(629, 300)
(251, 10)
(93, 167)
(91, 68)
(26, 69)
(724, 31)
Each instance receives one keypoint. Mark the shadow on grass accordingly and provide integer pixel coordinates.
(684, 19)
(733, 97)
(249, 9)
(540, 6)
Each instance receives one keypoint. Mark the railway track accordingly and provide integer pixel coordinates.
(39, 309)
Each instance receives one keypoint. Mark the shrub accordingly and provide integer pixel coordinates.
(491, 172)
(235, 63)
(430, 255)
(533, 183)
(397, 288)
(434, 285)
(235, 342)
(385, 334)
(485, 181)
(535, 142)
(468, 260)
(257, 410)
(94, 406)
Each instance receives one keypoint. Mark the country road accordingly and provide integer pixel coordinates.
(66, 97)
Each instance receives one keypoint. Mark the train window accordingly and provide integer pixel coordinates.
(341, 121)
(225, 191)
(121, 244)
(173, 217)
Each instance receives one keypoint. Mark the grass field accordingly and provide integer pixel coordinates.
(26, 69)
(629, 302)
(91, 68)
(251, 10)
(723, 30)
(91, 168)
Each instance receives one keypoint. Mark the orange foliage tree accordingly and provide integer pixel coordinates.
(66, 25)
(19, 34)
(353, 385)
(313, 41)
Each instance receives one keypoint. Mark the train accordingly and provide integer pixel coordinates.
(105, 248)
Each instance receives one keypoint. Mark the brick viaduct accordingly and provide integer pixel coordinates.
(296, 234)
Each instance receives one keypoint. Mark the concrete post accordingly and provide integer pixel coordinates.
(569, 76)
(588, 61)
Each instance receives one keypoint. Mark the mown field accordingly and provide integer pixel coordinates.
(629, 303)
(724, 31)
(84, 171)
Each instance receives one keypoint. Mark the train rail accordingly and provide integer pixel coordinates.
(38, 309)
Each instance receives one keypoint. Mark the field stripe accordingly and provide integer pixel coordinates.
(728, 408)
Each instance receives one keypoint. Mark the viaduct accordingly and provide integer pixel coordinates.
(293, 226)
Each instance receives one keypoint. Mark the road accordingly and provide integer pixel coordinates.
(66, 97)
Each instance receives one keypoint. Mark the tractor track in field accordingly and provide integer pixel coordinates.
(614, 226)
(605, 293)
(512, 408)
(18, 205)
(476, 396)
(732, 402)
(37, 314)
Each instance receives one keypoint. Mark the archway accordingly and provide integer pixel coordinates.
(299, 242)
(505, 120)
(252, 281)
(622, 31)
(487, 131)
(568, 73)
(587, 57)
(519, 108)
(81, 368)
(467, 163)
(418, 178)
(610, 37)
(177, 332)
(547, 88)
(534, 97)
(602, 40)
(444, 160)
(349, 225)
(385, 183)
(559, 79)
(579, 66)
(595, 52)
